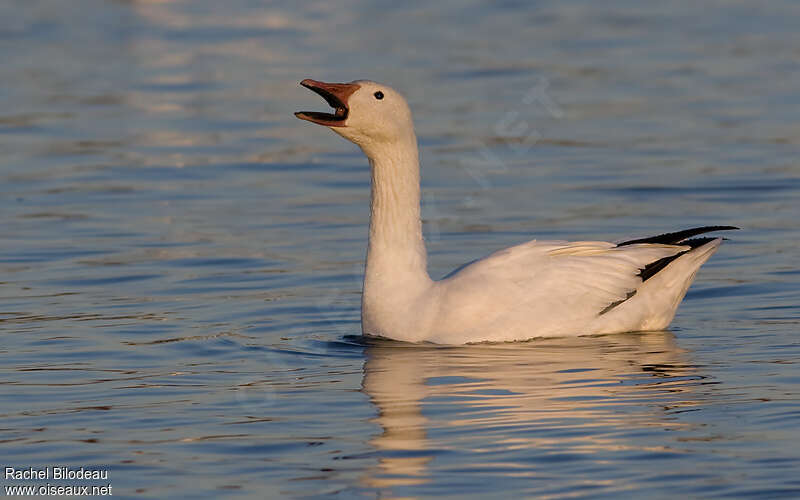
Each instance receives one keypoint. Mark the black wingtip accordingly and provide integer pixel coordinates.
(683, 238)
(679, 237)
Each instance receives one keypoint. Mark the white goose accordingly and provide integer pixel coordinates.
(536, 289)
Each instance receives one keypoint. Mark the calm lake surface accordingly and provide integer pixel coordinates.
(181, 257)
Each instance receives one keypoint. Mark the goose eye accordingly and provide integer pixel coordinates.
(378, 95)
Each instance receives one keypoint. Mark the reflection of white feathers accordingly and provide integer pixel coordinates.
(536, 289)
(536, 396)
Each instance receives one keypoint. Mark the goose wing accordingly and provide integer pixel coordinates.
(563, 284)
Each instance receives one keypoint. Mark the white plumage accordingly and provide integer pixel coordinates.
(536, 289)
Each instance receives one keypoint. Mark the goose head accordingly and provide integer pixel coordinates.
(366, 113)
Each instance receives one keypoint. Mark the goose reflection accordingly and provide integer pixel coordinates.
(570, 395)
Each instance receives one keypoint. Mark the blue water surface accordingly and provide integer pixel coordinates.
(181, 258)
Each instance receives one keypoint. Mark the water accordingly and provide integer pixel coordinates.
(180, 257)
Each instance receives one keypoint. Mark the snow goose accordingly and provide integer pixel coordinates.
(535, 289)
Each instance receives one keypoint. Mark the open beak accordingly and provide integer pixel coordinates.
(336, 95)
